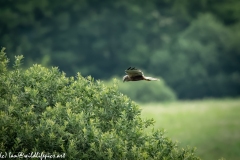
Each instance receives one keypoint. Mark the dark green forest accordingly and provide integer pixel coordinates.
(193, 45)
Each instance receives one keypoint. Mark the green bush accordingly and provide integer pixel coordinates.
(42, 110)
(145, 92)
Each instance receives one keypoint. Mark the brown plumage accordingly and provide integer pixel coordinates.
(134, 74)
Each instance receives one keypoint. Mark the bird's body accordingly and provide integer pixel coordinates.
(134, 74)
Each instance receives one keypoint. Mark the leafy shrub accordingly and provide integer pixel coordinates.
(144, 91)
(41, 110)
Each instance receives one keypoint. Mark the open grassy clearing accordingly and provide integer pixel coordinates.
(212, 126)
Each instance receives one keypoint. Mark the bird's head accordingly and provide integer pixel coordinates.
(126, 78)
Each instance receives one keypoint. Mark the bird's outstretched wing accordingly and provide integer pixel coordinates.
(133, 72)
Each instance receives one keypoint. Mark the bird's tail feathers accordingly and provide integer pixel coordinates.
(151, 79)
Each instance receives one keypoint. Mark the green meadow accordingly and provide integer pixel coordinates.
(211, 126)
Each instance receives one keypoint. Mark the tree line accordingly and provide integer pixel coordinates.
(192, 45)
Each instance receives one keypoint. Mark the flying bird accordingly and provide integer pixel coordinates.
(134, 74)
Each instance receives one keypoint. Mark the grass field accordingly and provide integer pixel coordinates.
(212, 126)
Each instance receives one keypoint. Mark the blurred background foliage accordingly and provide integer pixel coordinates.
(144, 91)
(193, 45)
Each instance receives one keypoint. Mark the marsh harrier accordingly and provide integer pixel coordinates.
(134, 74)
